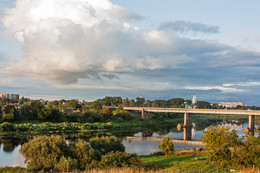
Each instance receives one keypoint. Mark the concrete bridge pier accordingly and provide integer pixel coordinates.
(251, 124)
(146, 115)
(187, 126)
(187, 119)
(143, 114)
(187, 133)
(149, 116)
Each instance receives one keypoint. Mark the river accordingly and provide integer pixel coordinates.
(10, 146)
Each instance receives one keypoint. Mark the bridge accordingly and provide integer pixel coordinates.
(146, 114)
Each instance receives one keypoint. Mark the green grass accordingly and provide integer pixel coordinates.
(36, 127)
(147, 123)
(181, 163)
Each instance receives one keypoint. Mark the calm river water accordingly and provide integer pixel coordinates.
(10, 146)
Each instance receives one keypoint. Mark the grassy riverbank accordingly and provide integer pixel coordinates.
(36, 127)
(182, 161)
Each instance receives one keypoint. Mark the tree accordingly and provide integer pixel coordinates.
(203, 105)
(10, 113)
(1, 112)
(96, 106)
(44, 152)
(73, 104)
(120, 109)
(131, 103)
(84, 154)
(106, 111)
(140, 102)
(176, 102)
(54, 104)
(166, 145)
(126, 102)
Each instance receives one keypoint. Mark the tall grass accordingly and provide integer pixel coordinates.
(125, 170)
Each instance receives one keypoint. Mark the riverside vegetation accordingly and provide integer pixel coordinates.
(224, 152)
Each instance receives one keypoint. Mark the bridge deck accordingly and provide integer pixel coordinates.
(197, 111)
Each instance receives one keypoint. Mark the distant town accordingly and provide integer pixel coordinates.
(76, 106)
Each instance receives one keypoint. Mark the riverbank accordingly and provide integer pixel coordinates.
(188, 160)
(48, 127)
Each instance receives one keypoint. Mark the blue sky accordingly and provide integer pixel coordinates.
(90, 49)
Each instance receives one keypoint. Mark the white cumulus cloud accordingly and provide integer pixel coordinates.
(65, 40)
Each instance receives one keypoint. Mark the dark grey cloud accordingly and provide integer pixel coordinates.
(187, 26)
(110, 76)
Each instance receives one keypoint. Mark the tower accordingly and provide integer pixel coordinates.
(194, 100)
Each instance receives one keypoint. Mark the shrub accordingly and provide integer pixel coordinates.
(106, 111)
(106, 144)
(8, 117)
(126, 116)
(6, 127)
(66, 164)
(220, 137)
(230, 151)
(84, 154)
(120, 109)
(73, 117)
(248, 153)
(44, 152)
(118, 159)
(166, 145)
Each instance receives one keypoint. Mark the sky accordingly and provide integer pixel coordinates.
(89, 49)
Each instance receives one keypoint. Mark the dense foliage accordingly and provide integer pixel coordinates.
(106, 144)
(118, 159)
(44, 152)
(54, 152)
(228, 149)
(43, 127)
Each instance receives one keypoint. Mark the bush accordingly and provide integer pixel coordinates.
(230, 151)
(166, 145)
(84, 154)
(44, 152)
(16, 169)
(6, 127)
(126, 116)
(220, 137)
(248, 153)
(118, 159)
(8, 117)
(92, 117)
(106, 144)
(106, 111)
(73, 117)
(66, 164)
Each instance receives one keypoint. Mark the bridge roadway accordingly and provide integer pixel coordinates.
(188, 115)
(195, 111)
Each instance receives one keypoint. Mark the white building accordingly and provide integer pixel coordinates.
(194, 100)
(231, 104)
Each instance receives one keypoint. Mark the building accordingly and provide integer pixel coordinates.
(194, 100)
(231, 104)
(10, 96)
